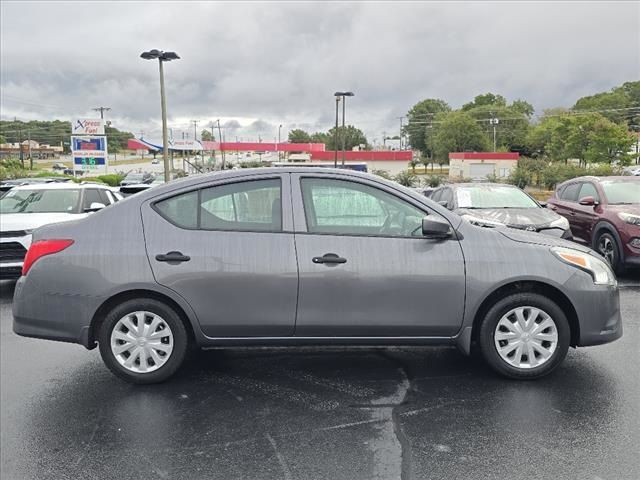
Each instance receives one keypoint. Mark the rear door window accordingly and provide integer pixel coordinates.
(91, 195)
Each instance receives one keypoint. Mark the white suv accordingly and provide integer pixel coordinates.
(27, 207)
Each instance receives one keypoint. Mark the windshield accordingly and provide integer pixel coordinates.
(40, 201)
(621, 192)
(488, 196)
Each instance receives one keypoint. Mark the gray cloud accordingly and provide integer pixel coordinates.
(265, 64)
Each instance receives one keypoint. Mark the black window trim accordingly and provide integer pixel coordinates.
(198, 188)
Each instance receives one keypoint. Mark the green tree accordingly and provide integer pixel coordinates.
(456, 132)
(2, 139)
(320, 137)
(207, 136)
(485, 100)
(418, 118)
(522, 106)
(353, 138)
(589, 138)
(299, 136)
(617, 104)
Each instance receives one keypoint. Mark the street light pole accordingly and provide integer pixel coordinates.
(165, 139)
(162, 57)
(335, 135)
(344, 96)
(279, 128)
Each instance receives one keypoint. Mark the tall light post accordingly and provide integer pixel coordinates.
(279, 129)
(162, 57)
(335, 134)
(344, 96)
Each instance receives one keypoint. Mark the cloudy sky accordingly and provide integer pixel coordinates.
(256, 65)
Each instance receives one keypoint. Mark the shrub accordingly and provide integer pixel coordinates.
(520, 177)
(493, 178)
(382, 173)
(433, 181)
(406, 178)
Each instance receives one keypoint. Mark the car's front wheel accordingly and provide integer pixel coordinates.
(143, 341)
(524, 336)
(607, 246)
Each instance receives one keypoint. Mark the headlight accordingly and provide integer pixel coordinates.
(561, 222)
(598, 269)
(481, 222)
(629, 218)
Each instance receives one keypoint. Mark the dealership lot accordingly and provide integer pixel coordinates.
(422, 413)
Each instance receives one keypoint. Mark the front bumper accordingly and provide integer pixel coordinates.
(597, 308)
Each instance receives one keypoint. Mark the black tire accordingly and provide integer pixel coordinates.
(607, 246)
(502, 307)
(170, 317)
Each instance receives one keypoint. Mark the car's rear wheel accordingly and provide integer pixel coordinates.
(524, 336)
(143, 341)
(607, 246)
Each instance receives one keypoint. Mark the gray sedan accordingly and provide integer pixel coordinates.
(306, 256)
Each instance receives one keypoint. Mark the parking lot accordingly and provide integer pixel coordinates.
(400, 413)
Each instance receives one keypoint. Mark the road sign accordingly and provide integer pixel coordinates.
(87, 126)
(89, 152)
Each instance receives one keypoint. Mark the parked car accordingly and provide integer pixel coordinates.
(74, 172)
(136, 178)
(155, 161)
(298, 256)
(27, 207)
(59, 166)
(6, 185)
(633, 170)
(604, 213)
(127, 190)
(495, 205)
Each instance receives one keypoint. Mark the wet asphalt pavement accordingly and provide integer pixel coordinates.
(320, 414)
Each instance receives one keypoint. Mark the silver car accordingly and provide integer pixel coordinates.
(307, 256)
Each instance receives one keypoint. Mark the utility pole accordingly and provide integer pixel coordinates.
(195, 129)
(220, 139)
(102, 110)
(400, 118)
(494, 121)
(30, 157)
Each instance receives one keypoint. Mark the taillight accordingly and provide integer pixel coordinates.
(41, 248)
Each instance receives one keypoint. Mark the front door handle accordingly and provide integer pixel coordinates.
(329, 258)
(172, 257)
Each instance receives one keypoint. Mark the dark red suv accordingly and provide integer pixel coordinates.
(604, 213)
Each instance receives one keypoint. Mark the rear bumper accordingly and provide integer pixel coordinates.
(62, 318)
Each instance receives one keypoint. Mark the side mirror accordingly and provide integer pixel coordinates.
(435, 228)
(588, 201)
(95, 206)
(543, 204)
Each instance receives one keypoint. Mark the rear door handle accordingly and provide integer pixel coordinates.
(329, 258)
(172, 257)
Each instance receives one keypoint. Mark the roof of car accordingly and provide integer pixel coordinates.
(479, 184)
(599, 179)
(60, 186)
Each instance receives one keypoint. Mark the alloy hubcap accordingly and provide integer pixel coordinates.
(526, 337)
(605, 247)
(141, 342)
